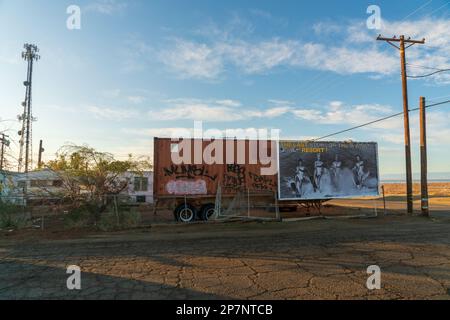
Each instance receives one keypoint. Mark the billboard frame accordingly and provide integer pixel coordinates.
(330, 198)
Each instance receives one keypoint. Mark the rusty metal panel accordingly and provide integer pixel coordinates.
(203, 179)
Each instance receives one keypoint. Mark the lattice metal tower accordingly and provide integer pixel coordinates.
(26, 133)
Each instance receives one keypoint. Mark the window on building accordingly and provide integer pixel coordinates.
(141, 199)
(21, 184)
(40, 183)
(45, 183)
(140, 184)
(57, 183)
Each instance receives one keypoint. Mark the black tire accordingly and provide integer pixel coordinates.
(185, 213)
(207, 211)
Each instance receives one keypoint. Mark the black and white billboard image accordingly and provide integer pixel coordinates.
(327, 170)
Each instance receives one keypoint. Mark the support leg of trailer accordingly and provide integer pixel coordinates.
(155, 207)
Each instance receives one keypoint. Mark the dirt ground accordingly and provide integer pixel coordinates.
(325, 257)
(435, 189)
(314, 259)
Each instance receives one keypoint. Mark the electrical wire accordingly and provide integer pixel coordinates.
(418, 9)
(428, 75)
(437, 70)
(424, 67)
(441, 7)
(379, 120)
(433, 100)
(433, 105)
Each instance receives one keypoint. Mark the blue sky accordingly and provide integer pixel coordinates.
(139, 69)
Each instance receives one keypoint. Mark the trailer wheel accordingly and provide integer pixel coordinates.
(185, 213)
(207, 211)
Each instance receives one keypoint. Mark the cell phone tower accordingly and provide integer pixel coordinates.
(26, 133)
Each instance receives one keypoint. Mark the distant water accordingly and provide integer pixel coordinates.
(414, 181)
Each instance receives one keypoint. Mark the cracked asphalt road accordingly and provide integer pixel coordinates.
(320, 259)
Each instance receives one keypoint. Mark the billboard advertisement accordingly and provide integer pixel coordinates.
(327, 170)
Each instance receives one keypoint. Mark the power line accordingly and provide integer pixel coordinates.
(418, 9)
(429, 74)
(424, 67)
(378, 120)
(439, 8)
(433, 100)
(433, 105)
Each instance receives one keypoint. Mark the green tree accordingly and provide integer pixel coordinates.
(89, 177)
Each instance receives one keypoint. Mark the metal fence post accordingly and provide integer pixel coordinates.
(248, 202)
(277, 209)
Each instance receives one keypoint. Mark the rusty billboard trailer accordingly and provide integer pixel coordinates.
(180, 174)
(304, 170)
(327, 170)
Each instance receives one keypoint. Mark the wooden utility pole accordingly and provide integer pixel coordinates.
(5, 143)
(402, 48)
(40, 154)
(423, 159)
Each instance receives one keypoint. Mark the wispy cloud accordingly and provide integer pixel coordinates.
(228, 110)
(9, 60)
(208, 110)
(213, 111)
(188, 59)
(136, 99)
(326, 28)
(111, 93)
(438, 134)
(114, 114)
(125, 96)
(182, 132)
(135, 54)
(193, 60)
(108, 7)
(159, 132)
(435, 53)
(211, 57)
(269, 17)
(338, 113)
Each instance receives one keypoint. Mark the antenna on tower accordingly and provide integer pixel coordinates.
(30, 54)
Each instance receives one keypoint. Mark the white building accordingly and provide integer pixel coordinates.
(43, 184)
(47, 184)
(140, 187)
